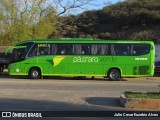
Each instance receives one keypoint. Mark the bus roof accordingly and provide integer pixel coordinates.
(82, 40)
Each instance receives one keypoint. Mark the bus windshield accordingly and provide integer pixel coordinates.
(20, 51)
(18, 54)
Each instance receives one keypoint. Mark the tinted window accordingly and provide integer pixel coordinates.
(99, 49)
(89, 49)
(140, 49)
(29, 45)
(19, 54)
(40, 49)
(59, 49)
(121, 49)
(80, 49)
(63, 49)
(44, 49)
(53, 49)
(33, 52)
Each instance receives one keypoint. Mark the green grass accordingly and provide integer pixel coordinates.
(151, 95)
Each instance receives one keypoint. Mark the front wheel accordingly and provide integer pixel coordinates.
(114, 74)
(35, 73)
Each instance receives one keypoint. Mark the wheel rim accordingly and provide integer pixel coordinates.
(35, 74)
(114, 75)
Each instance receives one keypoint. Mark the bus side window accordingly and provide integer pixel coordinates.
(100, 49)
(103, 49)
(53, 49)
(44, 51)
(67, 49)
(63, 49)
(94, 49)
(76, 49)
(140, 49)
(121, 49)
(80, 49)
(33, 51)
(85, 49)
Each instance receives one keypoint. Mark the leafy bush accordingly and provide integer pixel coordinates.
(143, 35)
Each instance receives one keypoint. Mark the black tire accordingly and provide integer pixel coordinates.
(35, 73)
(114, 74)
(80, 77)
(1, 69)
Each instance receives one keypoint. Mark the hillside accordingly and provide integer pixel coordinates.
(131, 19)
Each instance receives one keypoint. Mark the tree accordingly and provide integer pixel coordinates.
(87, 21)
(25, 19)
(66, 6)
(143, 35)
(66, 25)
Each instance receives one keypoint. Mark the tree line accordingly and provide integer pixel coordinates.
(131, 19)
(33, 19)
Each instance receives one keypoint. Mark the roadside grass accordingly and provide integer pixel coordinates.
(147, 95)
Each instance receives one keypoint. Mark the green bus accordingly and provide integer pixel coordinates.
(82, 57)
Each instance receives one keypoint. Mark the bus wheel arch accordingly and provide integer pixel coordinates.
(35, 73)
(114, 74)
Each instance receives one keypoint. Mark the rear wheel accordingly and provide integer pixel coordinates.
(114, 74)
(35, 73)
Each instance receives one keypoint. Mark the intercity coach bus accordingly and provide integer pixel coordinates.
(83, 57)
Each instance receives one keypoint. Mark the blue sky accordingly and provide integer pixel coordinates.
(114, 1)
(95, 5)
(98, 4)
(102, 3)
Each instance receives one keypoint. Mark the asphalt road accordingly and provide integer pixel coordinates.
(68, 94)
